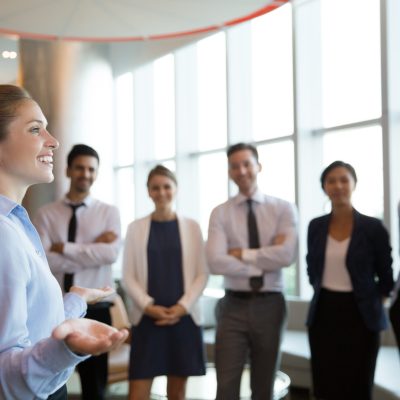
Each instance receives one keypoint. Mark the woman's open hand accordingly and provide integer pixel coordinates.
(86, 336)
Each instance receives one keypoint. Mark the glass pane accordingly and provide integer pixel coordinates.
(272, 75)
(212, 113)
(125, 197)
(277, 175)
(350, 61)
(213, 184)
(367, 161)
(164, 107)
(277, 179)
(124, 119)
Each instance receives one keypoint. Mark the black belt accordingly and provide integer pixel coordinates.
(247, 295)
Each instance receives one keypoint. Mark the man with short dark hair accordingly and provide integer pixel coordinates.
(81, 237)
(251, 238)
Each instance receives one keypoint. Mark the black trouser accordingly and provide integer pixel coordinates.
(60, 394)
(343, 349)
(394, 314)
(94, 371)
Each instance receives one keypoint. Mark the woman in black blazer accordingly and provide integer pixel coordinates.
(349, 266)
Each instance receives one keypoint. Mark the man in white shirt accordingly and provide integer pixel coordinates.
(251, 238)
(81, 237)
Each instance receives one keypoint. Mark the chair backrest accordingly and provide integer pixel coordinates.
(119, 315)
(118, 359)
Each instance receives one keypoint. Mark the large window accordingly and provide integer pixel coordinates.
(351, 73)
(272, 83)
(366, 160)
(306, 83)
(164, 107)
(211, 81)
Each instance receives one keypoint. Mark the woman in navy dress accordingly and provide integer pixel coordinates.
(164, 273)
(349, 266)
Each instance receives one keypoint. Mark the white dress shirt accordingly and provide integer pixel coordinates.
(90, 262)
(228, 229)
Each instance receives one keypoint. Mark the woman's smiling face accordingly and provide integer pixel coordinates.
(26, 153)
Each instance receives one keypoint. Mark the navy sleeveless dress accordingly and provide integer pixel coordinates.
(165, 350)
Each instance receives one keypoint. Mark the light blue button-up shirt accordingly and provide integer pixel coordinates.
(32, 364)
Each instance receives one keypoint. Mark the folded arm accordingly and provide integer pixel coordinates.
(219, 260)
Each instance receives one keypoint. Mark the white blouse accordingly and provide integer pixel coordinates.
(336, 276)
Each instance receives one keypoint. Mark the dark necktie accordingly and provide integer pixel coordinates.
(255, 282)
(69, 278)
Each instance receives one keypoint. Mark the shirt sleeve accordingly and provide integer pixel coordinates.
(219, 261)
(383, 262)
(274, 257)
(28, 370)
(74, 306)
(91, 255)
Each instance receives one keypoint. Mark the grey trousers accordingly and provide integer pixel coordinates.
(248, 330)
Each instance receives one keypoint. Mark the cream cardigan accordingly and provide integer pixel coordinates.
(195, 271)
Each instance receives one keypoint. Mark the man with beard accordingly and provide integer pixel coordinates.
(81, 237)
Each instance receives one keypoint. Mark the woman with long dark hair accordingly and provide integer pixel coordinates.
(349, 266)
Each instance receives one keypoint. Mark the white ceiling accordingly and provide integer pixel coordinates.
(104, 20)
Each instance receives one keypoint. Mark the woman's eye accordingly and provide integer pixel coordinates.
(35, 130)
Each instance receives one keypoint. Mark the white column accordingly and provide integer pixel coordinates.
(308, 117)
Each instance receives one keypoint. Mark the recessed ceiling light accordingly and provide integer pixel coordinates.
(9, 54)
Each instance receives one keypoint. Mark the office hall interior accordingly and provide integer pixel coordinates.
(176, 83)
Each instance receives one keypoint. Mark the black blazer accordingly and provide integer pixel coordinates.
(368, 261)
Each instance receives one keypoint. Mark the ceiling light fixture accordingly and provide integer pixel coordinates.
(9, 54)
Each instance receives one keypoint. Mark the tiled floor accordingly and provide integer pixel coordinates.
(118, 391)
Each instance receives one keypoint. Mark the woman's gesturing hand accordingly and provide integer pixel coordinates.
(86, 336)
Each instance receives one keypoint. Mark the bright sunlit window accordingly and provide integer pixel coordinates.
(212, 111)
(351, 80)
(277, 175)
(272, 74)
(184, 108)
(124, 119)
(164, 107)
(366, 160)
(213, 181)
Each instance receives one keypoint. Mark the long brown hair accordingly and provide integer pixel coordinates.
(10, 98)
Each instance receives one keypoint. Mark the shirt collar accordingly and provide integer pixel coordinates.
(257, 196)
(7, 205)
(86, 201)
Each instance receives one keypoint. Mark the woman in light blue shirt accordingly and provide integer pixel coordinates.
(42, 337)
